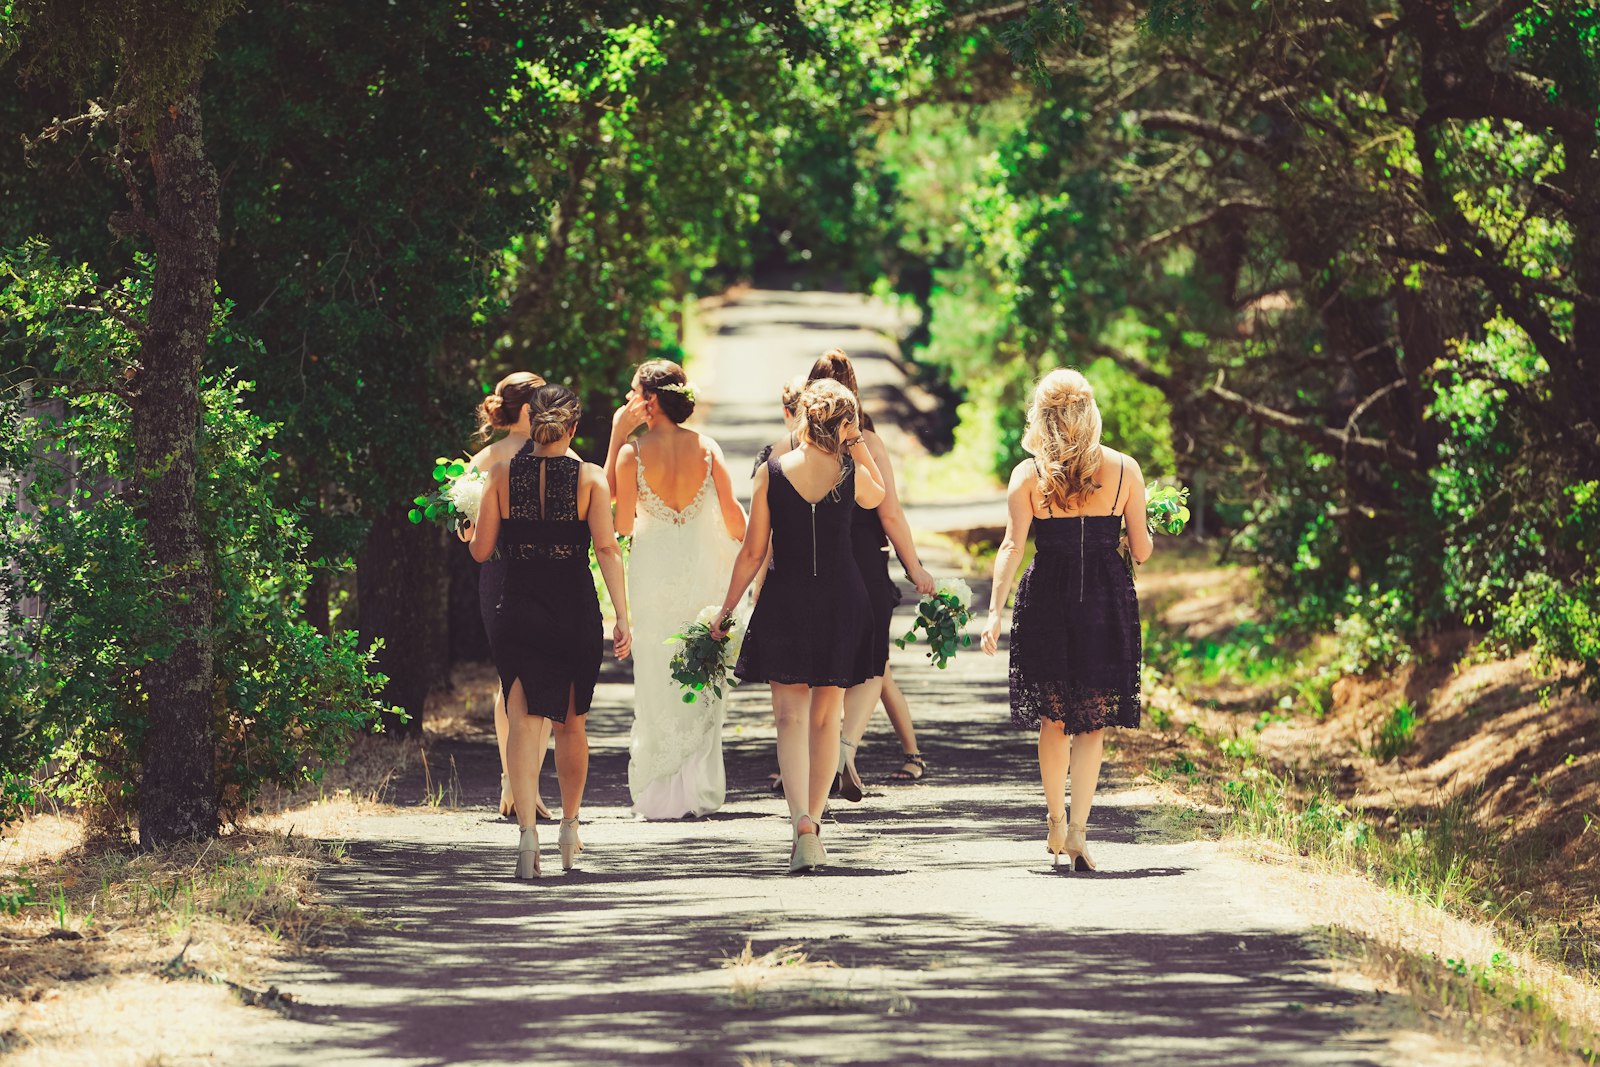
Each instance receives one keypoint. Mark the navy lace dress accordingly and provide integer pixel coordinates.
(547, 629)
(1075, 645)
(810, 623)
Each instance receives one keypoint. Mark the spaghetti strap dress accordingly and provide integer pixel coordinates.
(547, 629)
(1076, 650)
(810, 624)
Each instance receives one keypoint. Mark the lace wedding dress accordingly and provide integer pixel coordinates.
(679, 564)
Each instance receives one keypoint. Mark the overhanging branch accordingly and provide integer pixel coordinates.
(1323, 438)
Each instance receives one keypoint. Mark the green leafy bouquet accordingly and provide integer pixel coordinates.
(1166, 512)
(943, 614)
(704, 662)
(457, 493)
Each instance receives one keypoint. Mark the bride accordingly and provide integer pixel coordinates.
(675, 497)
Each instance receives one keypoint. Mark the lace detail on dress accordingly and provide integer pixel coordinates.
(546, 515)
(658, 509)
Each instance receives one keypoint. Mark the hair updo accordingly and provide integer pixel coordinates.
(553, 412)
(656, 377)
(834, 365)
(1063, 434)
(791, 393)
(502, 408)
(825, 406)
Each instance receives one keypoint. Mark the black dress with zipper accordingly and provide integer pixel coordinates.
(1076, 652)
(811, 623)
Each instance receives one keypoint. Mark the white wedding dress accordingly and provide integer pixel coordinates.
(678, 565)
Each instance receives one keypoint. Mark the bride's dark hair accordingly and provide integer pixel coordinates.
(666, 381)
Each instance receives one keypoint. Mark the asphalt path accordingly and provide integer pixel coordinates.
(938, 933)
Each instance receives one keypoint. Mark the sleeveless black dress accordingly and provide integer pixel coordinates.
(810, 622)
(1075, 642)
(870, 546)
(547, 630)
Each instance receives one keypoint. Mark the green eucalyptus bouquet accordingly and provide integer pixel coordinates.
(942, 615)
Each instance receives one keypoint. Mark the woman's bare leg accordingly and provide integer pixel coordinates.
(827, 704)
(572, 759)
(1054, 754)
(502, 731)
(1088, 750)
(523, 734)
(899, 712)
(790, 714)
(860, 701)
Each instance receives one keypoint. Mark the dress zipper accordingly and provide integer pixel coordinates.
(1082, 525)
(813, 540)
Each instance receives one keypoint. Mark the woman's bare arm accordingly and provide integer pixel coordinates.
(1019, 520)
(893, 517)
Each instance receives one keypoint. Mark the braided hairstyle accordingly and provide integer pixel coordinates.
(553, 412)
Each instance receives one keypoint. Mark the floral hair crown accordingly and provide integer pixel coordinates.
(686, 388)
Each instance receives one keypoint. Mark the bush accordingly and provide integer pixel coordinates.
(80, 622)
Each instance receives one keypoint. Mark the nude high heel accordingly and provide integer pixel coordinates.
(1055, 842)
(1077, 847)
(807, 854)
(528, 853)
(568, 842)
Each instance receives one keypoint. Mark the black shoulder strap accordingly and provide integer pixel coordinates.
(1118, 495)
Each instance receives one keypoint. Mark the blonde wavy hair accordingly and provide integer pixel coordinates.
(1063, 435)
(553, 411)
(824, 407)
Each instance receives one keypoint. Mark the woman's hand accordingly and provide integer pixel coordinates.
(991, 633)
(628, 418)
(717, 632)
(621, 639)
(921, 579)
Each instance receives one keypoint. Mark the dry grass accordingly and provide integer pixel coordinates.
(750, 975)
(116, 956)
(1457, 858)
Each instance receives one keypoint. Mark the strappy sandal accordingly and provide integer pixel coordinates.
(912, 769)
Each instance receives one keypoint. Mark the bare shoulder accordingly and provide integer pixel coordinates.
(592, 473)
(709, 444)
(628, 453)
(1023, 475)
(1127, 463)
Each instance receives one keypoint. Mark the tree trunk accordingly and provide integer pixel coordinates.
(177, 790)
(401, 596)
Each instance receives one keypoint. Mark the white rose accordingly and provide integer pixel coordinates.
(466, 493)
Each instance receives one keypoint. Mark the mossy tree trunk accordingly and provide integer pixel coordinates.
(177, 789)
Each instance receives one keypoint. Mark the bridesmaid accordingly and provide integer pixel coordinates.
(543, 509)
(499, 413)
(808, 635)
(1075, 644)
(872, 530)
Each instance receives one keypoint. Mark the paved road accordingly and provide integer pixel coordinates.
(949, 936)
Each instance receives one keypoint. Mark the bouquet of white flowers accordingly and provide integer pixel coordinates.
(943, 615)
(456, 496)
(704, 662)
